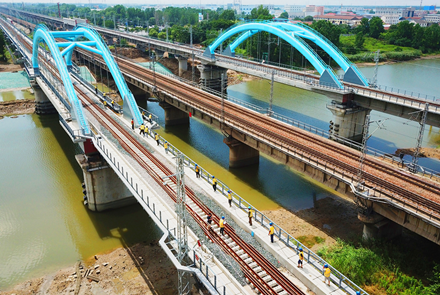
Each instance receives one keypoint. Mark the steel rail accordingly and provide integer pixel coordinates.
(256, 280)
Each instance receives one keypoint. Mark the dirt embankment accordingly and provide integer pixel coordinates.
(7, 67)
(329, 219)
(424, 152)
(16, 107)
(140, 269)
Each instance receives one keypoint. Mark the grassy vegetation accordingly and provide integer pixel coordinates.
(387, 51)
(388, 267)
(309, 241)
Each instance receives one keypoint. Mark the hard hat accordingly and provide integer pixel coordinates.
(271, 223)
(132, 118)
(223, 217)
(249, 207)
(166, 141)
(326, 266)
(358, 293)
(213, 176)
(300, 249)
(196, 164)
(229, 191)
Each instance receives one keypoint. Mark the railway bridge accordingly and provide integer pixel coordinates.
(121, 167)
(390, 196)
(350, 99)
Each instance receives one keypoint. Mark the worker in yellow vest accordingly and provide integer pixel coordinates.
(146, 130)
(222, 225)
(271, 231)
(165, 146)
(214, 183)
(230, 198)
(197, 169)
(149, 118)
(250, 215)
(301, 257)
(156, 138)
(327, 272)
(142, 129)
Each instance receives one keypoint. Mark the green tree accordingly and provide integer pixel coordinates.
(359, 40)
(371, 11)
(2, 47)
(260, 12)
(308, 18)
(376, 27)
(228, 14)
(284, 15)
(329, 30)
(364, 26)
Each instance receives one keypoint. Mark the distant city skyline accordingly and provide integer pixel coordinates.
(414, 3)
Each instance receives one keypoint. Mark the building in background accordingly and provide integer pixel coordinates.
(352, 20)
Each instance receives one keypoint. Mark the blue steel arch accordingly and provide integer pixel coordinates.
(290, 33)
(352, 73)
(42, 33)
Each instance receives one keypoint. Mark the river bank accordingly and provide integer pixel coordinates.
(139, 269)
(17, 107)
(389, 62)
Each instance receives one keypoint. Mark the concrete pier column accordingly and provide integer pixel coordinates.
(174, 116)
(240, 154)
(183, 64)
(211, 77)
(42, 103)
(159, 53)
(137, 92)
(104, 189)
(378, 227)
(348, 120)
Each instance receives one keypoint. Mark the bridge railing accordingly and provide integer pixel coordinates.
(198, 261)
(312, 258)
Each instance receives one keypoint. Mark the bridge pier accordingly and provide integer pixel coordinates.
(211, 77)
(137, 92)
(42, 103)
(174, 116)
(241, 154)
(378, 227)
(348, 121)
(183, 64)
(104, 189)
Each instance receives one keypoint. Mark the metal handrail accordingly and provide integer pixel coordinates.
(314, 259)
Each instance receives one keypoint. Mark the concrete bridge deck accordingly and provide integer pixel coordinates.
(139, 186)
(399, 104)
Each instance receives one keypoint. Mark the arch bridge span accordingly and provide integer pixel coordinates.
(86, 38)
(295, 35)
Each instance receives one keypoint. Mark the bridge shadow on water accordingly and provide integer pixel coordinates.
(124, 227)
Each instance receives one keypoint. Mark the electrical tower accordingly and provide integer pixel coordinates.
(59, 11)
(376, 68)
(182, 233)
(422, 122)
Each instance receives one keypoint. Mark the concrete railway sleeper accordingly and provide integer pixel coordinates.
(276, 282)
(186, 94)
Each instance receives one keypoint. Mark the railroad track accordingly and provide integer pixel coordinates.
(262, 275)
(290, 138)
(272, 128)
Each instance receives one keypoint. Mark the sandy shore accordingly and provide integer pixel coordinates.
(17, 107)
(140, 269)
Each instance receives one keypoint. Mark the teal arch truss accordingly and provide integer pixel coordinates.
(91, 41)
(295, 34)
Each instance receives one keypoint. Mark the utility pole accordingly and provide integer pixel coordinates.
(191, 36)
(422, 122)
(104, 21)
(221, 44)
(270, 112)
(223, 102)
(182, 233)
(59, 11)
(376, 68)
(94, 18)
(193, 69)
(268, 48)
(114, 22)
(166, 27)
